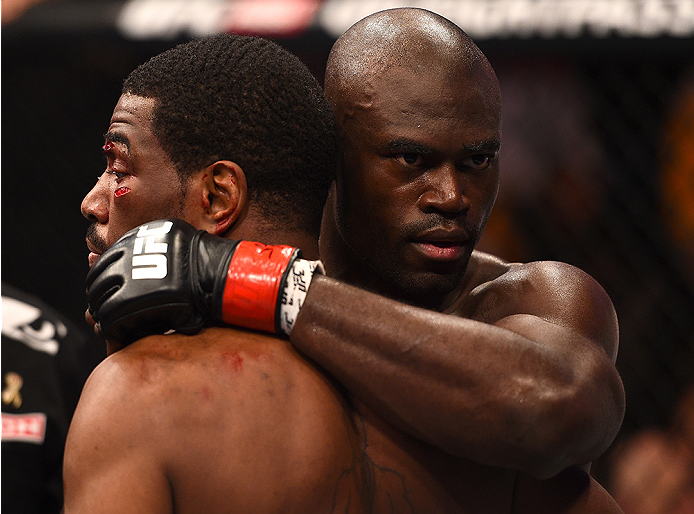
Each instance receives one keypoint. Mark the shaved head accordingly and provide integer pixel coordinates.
(418, 108)
(411, 38)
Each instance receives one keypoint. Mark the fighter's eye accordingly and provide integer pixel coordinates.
(479, 161)
(118, 174)
(409, 159)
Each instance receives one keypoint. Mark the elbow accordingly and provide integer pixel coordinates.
(579, 422)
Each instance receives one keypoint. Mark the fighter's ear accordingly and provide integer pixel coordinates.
(225, 195)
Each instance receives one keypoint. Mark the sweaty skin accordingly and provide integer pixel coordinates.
(510, 365)
(235, 420)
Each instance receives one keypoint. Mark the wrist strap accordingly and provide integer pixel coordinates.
(253, 283)
(295, 289)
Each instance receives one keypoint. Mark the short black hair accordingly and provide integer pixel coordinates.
(247, 100)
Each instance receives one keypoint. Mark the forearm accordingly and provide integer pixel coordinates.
(472, 389)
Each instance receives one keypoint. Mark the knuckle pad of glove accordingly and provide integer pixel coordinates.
(132, 308)
(156, 319)
(104, 279)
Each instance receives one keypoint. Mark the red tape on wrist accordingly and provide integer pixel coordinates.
(253, 281)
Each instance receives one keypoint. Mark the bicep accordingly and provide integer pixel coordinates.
(110, 463)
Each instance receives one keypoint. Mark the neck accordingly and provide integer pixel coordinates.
(256, 228)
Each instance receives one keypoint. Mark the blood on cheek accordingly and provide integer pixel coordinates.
(123, 190)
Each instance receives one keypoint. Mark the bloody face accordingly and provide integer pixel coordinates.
(140, 182)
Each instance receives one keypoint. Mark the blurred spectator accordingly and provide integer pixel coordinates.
(553, 169)
(678, 173)
(12, 10)
(45, 362)
(653, 471)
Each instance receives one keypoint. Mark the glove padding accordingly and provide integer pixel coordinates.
(167, 275)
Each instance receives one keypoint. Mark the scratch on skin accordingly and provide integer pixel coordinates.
(232, 360)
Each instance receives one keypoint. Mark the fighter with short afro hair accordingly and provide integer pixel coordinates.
(275, 123)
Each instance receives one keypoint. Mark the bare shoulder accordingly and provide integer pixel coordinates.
(194, 383)
(555, 292)
(221, 379)
(491, 271)
(162, 374)
(115, 455)
(243, 404)
(138, 392)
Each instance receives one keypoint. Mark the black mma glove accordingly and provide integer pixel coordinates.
(167, 275)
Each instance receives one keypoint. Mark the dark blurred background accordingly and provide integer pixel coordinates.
(597, 157)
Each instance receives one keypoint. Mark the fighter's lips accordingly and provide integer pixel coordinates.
(94, 253)
(441, 250)
(442, 244)
(93, 256)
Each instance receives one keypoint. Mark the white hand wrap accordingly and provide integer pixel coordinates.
(295, 290)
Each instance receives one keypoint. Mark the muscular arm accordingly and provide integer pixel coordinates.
(533, 387)
(522, 377)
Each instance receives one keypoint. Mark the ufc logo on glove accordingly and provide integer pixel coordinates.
(197, 279)
(149, 256)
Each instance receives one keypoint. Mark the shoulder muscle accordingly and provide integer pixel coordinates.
(99, 474)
